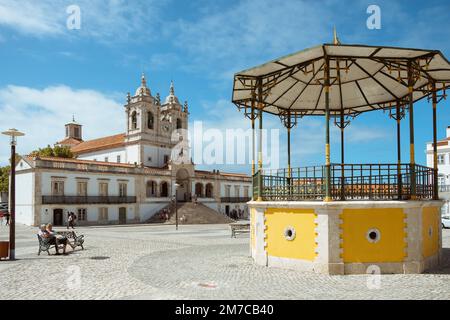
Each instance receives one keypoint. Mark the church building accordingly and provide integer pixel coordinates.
(127, 177)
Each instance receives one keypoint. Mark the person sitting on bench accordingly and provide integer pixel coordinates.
(46, 232)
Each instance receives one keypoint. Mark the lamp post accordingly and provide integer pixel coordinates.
(176, 205)
(13, 134)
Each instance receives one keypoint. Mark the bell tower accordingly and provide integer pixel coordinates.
(73, 130)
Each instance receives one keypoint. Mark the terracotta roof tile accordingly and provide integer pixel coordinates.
(110, 142)
(70, 141)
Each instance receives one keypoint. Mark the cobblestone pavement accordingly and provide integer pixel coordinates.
(197, 262)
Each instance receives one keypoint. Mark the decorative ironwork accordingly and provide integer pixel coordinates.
(348, 182)
(87, 200)
(235, 199)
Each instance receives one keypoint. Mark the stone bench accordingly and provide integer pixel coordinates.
(239, 228)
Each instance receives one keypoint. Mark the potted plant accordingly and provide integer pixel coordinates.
(4, 249)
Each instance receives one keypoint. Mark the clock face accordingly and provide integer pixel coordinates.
(165, 127)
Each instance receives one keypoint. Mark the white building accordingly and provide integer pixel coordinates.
(443, 151)
(127, 177)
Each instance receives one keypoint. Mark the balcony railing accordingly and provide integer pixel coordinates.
(347, 182)
(235, 199)
(444, 188)
(87, 200)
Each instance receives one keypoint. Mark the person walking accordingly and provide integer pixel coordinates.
(7, 216)
(69, 219)
(72, 220)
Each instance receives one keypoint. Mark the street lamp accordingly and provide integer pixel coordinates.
(13, 134)
(176, 205)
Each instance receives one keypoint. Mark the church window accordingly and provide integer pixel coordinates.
(122, 189)
(199, 190)
(134, 120)
(164, 189)
(179, 126)
(82, 214)
(82, 188)
(150, 120)
(209, 190)
(151, 189)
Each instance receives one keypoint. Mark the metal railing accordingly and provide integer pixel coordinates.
(235, 199)
(444, 188)
(87, 200)
(347, 182)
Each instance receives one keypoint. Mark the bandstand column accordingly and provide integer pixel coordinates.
(342, 127)
(260, 158)
(399, 150)
(411, 132)
(253, 134)
(289, 175)
(435, 156)
(327, 132)
(289, 144)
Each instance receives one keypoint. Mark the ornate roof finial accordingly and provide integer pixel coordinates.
(185, 106)
(336, 41)
(143, 81)
(73, 118)
(172, 88)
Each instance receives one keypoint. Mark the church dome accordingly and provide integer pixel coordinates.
(172, 98)
(143, 90)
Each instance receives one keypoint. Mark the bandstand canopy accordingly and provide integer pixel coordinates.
(362, 78)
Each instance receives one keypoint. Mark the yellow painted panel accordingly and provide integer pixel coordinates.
(303, 246)
(430, 231)
(390, 222)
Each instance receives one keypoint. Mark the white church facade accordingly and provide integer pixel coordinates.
(127, 177)
(443, 153)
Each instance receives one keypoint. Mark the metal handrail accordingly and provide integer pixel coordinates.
(348, 182)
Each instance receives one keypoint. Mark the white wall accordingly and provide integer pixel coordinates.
(232, 188)
(132, 154)
(92, 212)
(110, 153)
(24, 198)
(70, 183)
(149, 209)
(157, 155)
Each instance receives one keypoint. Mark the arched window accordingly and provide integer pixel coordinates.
(199, 189)
(179, 126)
(164, 189)
(151, 189)
(209, 190)
(150, 120)
(134, 120)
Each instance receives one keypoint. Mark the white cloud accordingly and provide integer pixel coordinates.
(29, 17)
(109, 20)
(246, 31)
(41, 114)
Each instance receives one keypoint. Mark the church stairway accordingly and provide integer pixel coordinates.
(191, 213)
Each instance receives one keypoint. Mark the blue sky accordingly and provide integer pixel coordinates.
(49, 72)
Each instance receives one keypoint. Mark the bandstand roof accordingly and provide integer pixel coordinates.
(362, 78)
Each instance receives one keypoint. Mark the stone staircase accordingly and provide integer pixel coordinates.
(190, 213)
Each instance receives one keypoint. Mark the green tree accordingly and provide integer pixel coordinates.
(57, 151)
(4, 175)
(4, 178)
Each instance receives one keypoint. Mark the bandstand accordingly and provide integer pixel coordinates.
(342, 218)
